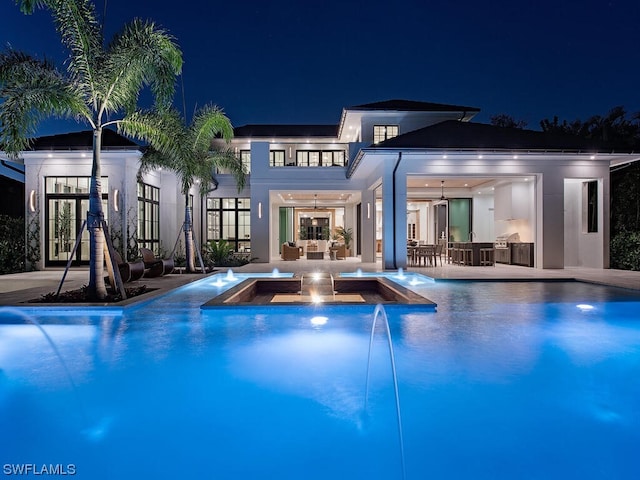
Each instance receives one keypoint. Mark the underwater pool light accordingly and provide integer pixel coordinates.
(319, 321)
(585, 307)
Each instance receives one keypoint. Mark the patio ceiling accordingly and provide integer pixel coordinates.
(419, 187)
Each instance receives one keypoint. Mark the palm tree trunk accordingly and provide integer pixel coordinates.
(96, 288)
(188, 237)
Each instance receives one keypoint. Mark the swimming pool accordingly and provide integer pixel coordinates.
(506, 380)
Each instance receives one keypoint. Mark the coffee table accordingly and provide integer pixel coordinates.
(315, 255)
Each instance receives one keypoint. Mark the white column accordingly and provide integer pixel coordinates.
(368, 233)
(550, 225)
(260, 208)
(394, 253)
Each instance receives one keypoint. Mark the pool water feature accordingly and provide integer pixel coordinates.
(506, 380)
(317, 288)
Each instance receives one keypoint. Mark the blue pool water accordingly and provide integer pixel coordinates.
(504, 381)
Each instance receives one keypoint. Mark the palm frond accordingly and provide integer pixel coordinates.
(29, 6)
(32, 91)
(153, 159)
(226, 159)
(208, 123)
(141, 55)
(162, 129)
(80, 31)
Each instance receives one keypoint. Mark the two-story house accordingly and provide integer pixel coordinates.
(392, 172)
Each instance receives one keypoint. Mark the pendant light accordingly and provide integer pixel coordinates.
(442, 197)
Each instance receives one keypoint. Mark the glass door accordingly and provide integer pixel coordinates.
(62, 228)
(64, 220)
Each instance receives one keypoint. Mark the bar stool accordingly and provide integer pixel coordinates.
(487, 257)
(466, 256)
(453, 255)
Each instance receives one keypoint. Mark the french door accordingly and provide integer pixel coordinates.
(65, 214)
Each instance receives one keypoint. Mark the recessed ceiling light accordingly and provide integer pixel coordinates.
(492, 188)
(592, 157)
(444, 156)
(466, 184)
(515, 156)
(479, 156)
(426, 184)
(526, 179)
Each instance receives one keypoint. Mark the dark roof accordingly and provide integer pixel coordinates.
(286, 131)
(453, 134)
(412, 106)
(83, 140)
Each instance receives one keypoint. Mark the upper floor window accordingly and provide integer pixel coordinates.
(384, 132)
(316, 158)
(276, 158)
(245, 158)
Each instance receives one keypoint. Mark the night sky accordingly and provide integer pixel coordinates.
(301, 61)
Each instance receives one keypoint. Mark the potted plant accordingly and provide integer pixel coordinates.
(347, 236)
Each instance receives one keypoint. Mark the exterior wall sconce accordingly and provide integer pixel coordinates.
(290, 152)
(116, 200)
(259, 209)
(32, 201)
(368, 210)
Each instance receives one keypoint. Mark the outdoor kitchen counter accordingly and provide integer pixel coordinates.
(475, 248)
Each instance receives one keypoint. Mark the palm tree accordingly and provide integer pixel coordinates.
(188, 153)
(100, 81)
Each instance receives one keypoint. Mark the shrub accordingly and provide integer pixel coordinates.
(12, 247)
(220, 254)
(625, 250)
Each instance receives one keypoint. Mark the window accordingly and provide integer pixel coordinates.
(590, 206)
(276, 158)
(324, 158)
(149, 217)
(245, 158)
(333, 158)
(384, 132)
(230, 219)
(303, 157)
(73, 185)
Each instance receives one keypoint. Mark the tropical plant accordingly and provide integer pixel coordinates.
(346, 234)
(101, 82)
(218, 252)
(188, 153)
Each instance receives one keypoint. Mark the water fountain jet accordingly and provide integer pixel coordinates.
(377, 313)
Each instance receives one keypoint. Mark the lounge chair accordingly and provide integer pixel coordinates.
(129, 271)
(154, 266)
